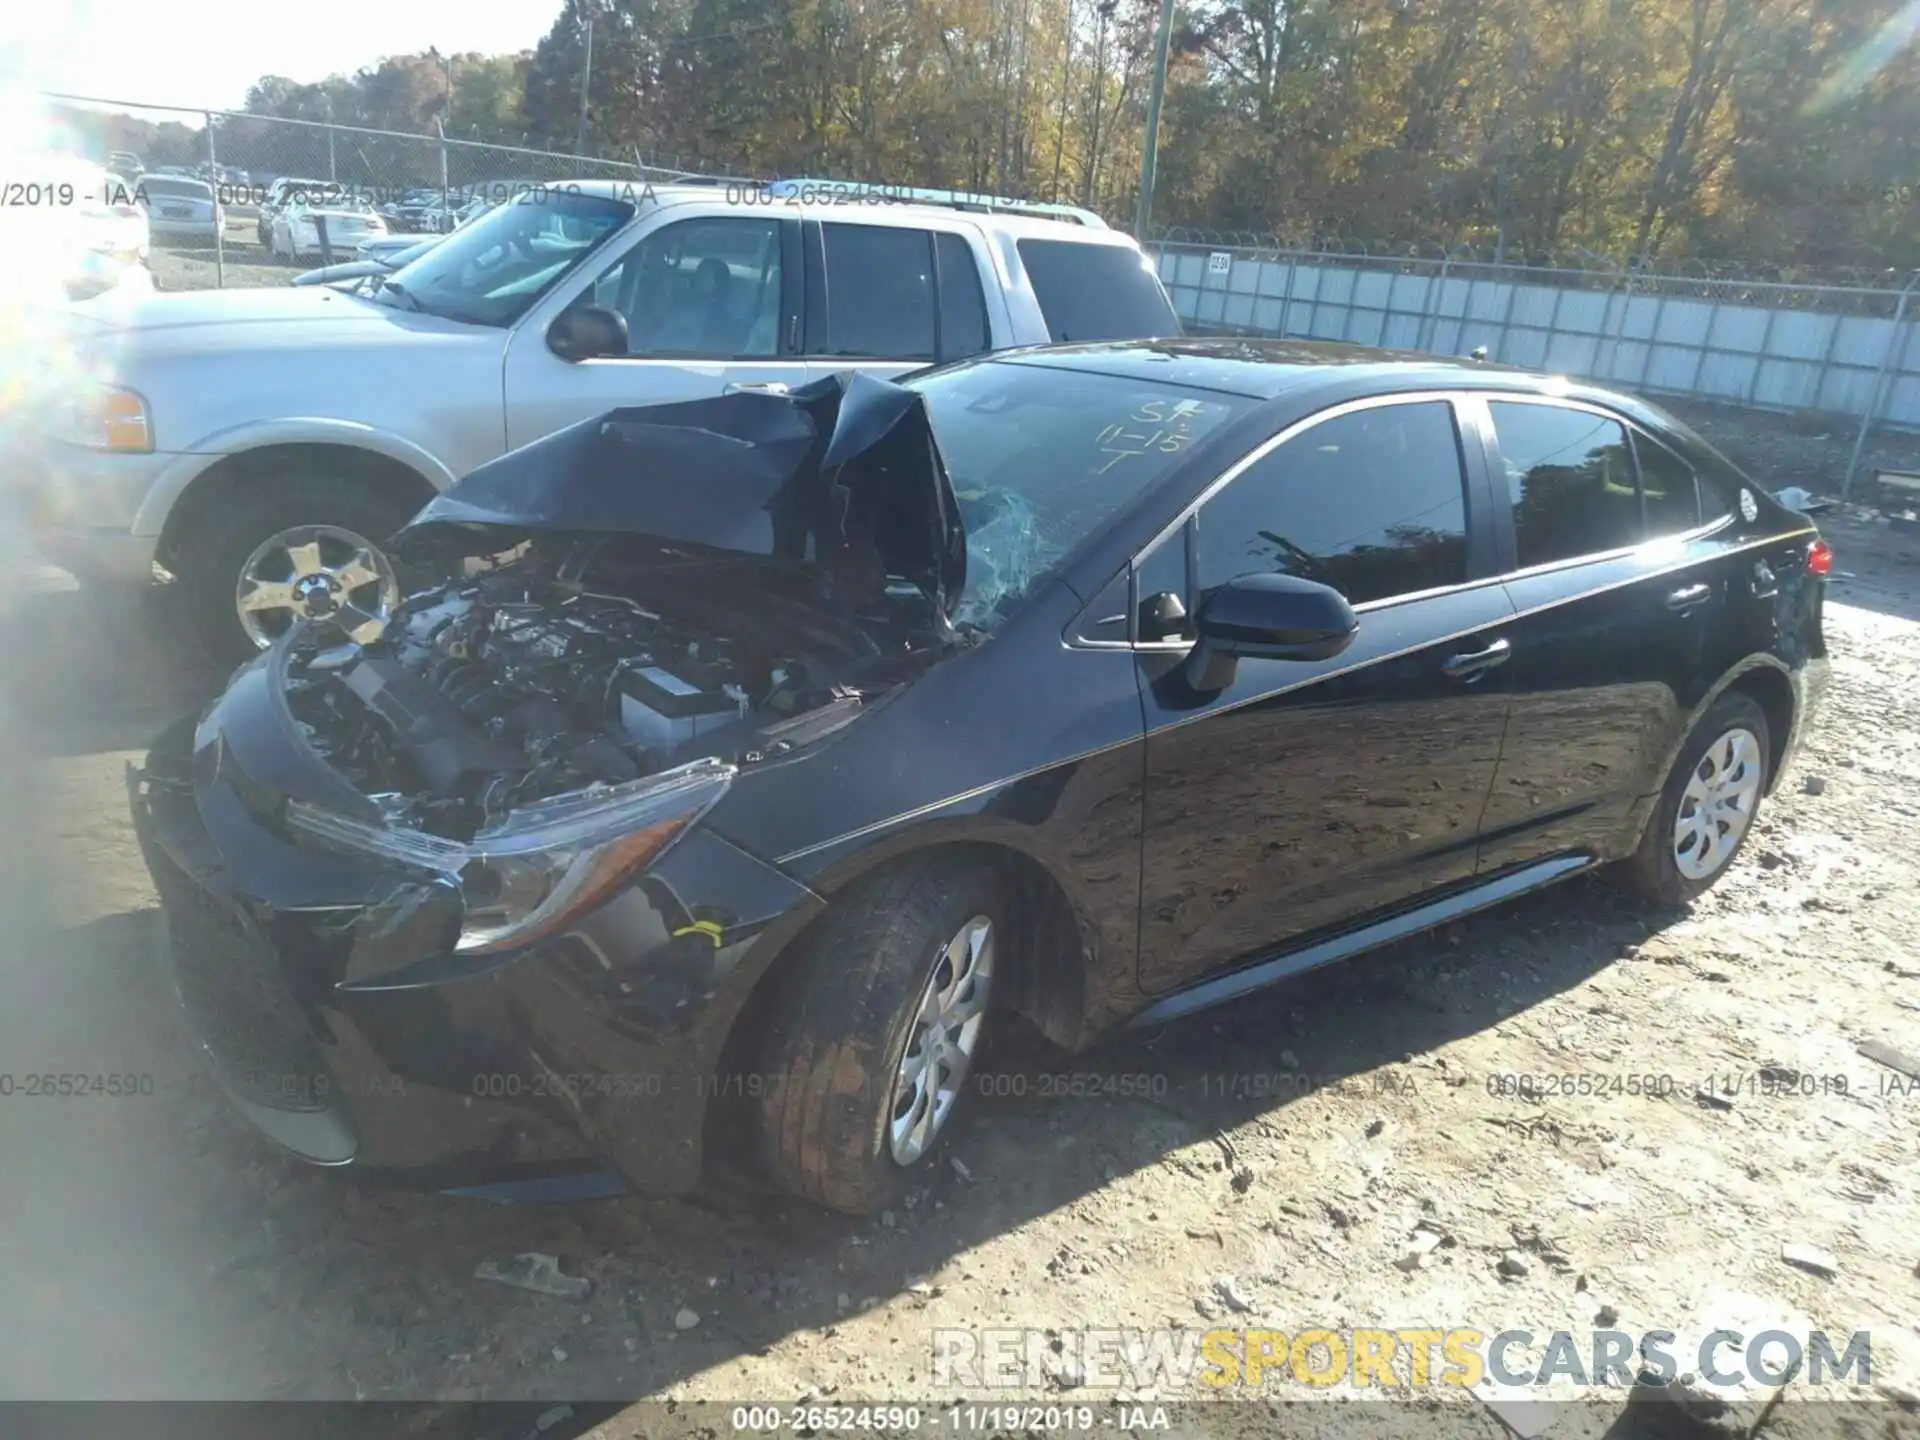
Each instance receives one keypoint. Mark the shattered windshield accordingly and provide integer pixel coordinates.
(1038, 457)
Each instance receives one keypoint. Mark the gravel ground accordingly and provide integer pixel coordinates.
(1337, 1152)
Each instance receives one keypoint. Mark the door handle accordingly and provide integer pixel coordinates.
(1687, 599)
(1471, 664)
(755, 387)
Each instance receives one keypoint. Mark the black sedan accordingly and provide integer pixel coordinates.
(762, 752)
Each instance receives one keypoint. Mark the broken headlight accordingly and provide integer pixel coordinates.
(547, 862)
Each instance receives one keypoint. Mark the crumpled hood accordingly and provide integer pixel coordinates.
(843, 473)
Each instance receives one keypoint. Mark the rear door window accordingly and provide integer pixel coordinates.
(1096, 292)
(1569, 475)
(963, 305)
(879, 293)
(1668, 492)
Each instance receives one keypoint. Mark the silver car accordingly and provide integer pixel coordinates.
(262, 444)
(180, 208)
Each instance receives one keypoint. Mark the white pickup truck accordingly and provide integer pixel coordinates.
(260, 444)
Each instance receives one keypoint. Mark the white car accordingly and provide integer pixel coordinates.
(180, 207)
(262, 444)
(72, 231)
(296, 230)
(283, 192)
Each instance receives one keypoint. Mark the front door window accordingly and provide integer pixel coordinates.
(707, 288)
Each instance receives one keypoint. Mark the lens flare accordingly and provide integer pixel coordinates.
(1869, 60)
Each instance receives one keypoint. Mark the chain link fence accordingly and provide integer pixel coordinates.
(1760, 337)
(415, 182)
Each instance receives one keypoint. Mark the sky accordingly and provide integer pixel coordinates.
(205, 53)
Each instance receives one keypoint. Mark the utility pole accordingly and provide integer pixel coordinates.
(446, 69)
(1066, 83)
(1150, 150)
(1104, 9)
(586, 84)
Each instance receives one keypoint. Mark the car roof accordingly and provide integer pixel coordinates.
(669, 192)
(1261, 369)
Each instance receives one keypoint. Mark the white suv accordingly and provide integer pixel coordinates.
(260, 443)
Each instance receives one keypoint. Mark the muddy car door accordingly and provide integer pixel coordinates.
(1308, 793)
(692, 307)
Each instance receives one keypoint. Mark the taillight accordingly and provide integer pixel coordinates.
(1819, 558)
(127, 212)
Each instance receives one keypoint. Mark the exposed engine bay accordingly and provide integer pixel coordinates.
(590, 663)
(728, 578)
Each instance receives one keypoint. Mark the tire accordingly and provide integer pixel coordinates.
(840, 1021)
(1666, 869)
(209, 561)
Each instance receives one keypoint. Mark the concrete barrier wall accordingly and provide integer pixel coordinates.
(1768, 346)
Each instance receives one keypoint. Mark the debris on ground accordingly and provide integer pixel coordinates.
(1235, 1298)
(1810, 1258)
(532, 1270)
(1419, 1250)
(1893, 1059)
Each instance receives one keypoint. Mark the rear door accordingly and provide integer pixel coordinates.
(1309, 794)
(1617, 597)
(710, 301)
(885, 299)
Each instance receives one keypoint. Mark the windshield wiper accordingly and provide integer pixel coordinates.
(397, 288)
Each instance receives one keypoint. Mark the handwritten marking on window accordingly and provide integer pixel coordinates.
(1156, 425)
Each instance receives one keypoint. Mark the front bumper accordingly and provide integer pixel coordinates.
(335, 1015)
(82, 507)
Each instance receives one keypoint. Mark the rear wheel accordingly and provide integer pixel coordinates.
(1707, 807)
(873, 1031)
(305, 545)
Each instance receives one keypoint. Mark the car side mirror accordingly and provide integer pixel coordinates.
(1267, 617)
(587, 332)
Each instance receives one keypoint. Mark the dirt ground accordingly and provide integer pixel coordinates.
(1334, 1153)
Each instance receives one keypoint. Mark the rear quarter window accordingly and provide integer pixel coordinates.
(1096, 292)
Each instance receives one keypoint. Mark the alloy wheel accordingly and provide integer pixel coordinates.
(1717, 805)
(322, 573)
(943, 1040)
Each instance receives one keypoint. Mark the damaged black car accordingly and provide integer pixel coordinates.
(744, 761)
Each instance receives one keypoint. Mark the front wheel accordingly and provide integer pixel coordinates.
(1707, 807)
(873, 1030)
(300, 546)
